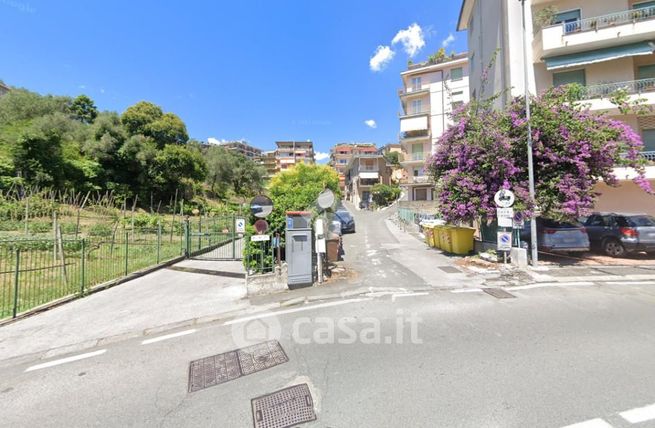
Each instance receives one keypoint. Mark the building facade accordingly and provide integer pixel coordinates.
(341, 154)
(243, 148)
(269, 162)
(364, 172)
(602, 45)
(3, 89)
(289, 153)
(431, 91)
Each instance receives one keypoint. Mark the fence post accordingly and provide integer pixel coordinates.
(83, 267)
(127, 249)
(158, 241)
(234, 224)
(187, 238)
(16, 282)
(200, 232)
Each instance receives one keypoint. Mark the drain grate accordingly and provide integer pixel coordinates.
(449, 269)
(221, 368)
(284, 408)
(499, 293)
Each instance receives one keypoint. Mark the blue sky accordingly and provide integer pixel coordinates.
(258, 70)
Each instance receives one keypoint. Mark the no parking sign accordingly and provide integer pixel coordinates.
(504, 241)
(240, 225)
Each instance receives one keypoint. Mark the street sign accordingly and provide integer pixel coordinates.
(261, 206)
(240, 225)
(504, 241)
(505, 217)
(504, 198)
(260, 238)
(518, 222)
(261, 226)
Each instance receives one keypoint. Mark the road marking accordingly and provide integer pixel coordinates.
(290, 311)
(467, 290)
(630, 283)
(168, 336)
(552, 284)
(419, 293)
(640, 414)
(592, 423)
(66, 360)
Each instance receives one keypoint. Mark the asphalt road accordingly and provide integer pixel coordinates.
(550, 357)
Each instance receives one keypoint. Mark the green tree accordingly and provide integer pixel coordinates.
(174, 166)
(148, 119)
(383, 194)
(393, 158)
(83, 109)
(137, 118)
(21, 104)
(227, 170)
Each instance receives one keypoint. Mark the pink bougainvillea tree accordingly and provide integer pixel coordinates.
(486, 150)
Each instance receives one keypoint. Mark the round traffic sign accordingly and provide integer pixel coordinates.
(504, 198)
(325, 199)
(261, 206)
(261, 226)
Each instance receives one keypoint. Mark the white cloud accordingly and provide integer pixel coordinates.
(216, 141)
(320, 156)
(371, 123)
(381, 57)
(102, 90)
(412, 39)
(448, 40)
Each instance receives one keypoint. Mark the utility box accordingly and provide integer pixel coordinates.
(299, 249)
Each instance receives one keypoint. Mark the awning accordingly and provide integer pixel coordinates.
(368, 175)
(416, 123)
(599, 55)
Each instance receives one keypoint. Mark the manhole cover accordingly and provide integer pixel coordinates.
(499, 293)
(227, 366)
(284, 408)
(449, 269)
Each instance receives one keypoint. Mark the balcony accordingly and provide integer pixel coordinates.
(616, 29)
(406, 92)
(599, 96)
(409, 137)
(415, 122)
(414, 158)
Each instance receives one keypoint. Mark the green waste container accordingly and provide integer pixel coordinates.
(462, 240)
(445, 238)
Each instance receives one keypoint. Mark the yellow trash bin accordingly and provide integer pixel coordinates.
(462, 240)
(445, 238)
(436, 234)
(429, 235)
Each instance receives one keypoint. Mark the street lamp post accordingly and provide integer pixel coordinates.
(533, 219)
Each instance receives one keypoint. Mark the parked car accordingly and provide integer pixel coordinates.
(347, 221)
(558, 237)
(618, 234)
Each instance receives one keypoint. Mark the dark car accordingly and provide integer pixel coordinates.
(559, 237)
(347, 221)
(618, 234)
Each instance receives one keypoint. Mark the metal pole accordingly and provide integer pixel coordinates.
(82, 267)
(234, 255)
(528, 116)
(158, 241)
(127, 249)
(16, 282)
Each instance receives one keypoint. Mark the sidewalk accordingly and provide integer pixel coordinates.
(159, 299)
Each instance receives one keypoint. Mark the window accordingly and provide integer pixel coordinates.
(417, 106)
(456, 93)
(417, 152)
(648, 136)
(646, 72)
(457, 73)
(568, 77)
(570, 19)
(343, 161)
(416, 172)
(420, 194)
(416, 83)
(596, 220)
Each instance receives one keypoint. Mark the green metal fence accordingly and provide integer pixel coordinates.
(37, 271)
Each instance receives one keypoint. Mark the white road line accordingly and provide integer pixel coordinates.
(592, 423)
(640, 414)
(168, 336)
(552, 284)
(66, 360)
(467, 290)
(419, 293)
(630, 283)
(290, 311)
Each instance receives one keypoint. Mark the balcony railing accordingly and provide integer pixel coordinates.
(607, 89)
(411, 91)
(415, 157)
(414, 134)
(648, 155)
(413, 113)
(611, 20)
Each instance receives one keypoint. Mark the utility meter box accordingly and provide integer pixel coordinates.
(298, 249)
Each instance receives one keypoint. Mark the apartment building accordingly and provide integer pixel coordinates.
(269, 162)
(431, 91)
(341, 154)
(602, 45)
(363, 172)
(289, 153)
(3, 89)
(242, 147)
(398, 173)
